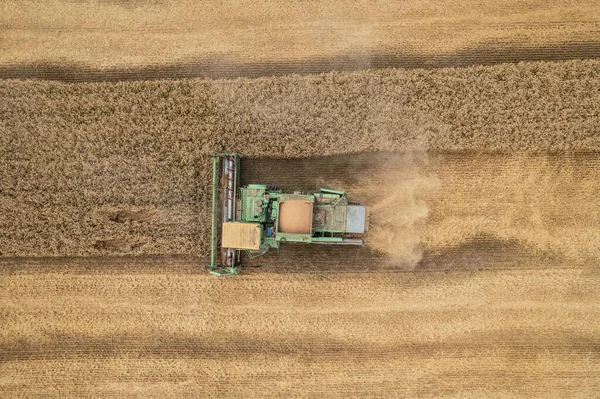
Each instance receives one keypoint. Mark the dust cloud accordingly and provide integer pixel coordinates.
(396, 211)
(392, 189)
(395, 217)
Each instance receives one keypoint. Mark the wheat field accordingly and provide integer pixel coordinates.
(122, 168)
(470, 129)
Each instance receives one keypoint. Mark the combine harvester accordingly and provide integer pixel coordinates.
(258, 217)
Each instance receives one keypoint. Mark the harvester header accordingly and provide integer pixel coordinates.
(257, 217)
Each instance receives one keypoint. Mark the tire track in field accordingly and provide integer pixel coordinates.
(229, 68)
(294, 259)
(512, 344)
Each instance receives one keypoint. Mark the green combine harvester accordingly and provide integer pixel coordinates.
(258, 217)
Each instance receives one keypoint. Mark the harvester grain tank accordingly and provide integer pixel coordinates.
(256, 217)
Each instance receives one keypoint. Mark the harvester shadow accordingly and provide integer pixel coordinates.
(487, 252)
(306, 258)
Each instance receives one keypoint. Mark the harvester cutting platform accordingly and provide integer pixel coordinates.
(257, 217)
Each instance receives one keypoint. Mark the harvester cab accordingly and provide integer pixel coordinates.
(257, 217)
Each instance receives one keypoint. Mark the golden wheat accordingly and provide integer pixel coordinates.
(77, 159)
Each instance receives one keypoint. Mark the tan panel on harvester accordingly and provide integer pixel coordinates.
(241, 235)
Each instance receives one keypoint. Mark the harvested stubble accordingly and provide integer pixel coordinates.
(113, 40)
(120, 168)
(510, 333)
